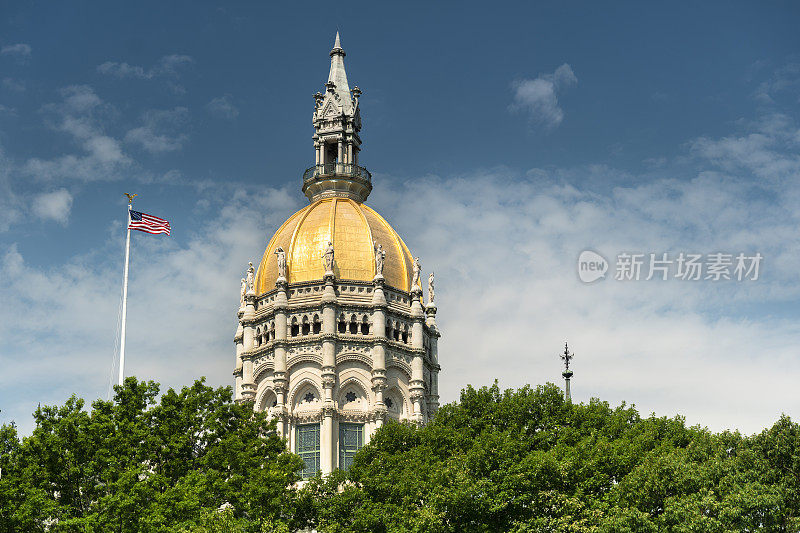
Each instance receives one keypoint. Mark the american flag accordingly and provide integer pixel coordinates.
(147, 223)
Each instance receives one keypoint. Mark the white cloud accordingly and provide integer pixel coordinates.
(21, 51)
(10, 209)
(55, 205)
(223, 107)
(166, 66)
(161, 131)
(81, 114)
(784, 79)
(539, 97)
(13, 84)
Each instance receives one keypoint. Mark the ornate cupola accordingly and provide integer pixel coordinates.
(337, 121)
(334, 337)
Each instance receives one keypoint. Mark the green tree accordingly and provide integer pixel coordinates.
(144, 463)
(526, 460)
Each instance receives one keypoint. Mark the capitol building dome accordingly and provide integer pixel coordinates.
(335, 336)
(354, 231)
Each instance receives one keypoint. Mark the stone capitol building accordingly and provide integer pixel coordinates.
(335, 336)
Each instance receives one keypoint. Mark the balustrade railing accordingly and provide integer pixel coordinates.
(337, 169)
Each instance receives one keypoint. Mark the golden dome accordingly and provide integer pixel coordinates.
(353, 228)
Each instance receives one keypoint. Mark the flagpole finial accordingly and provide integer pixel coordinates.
(130, 197)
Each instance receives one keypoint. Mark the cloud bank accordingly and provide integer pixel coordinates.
(504, 246)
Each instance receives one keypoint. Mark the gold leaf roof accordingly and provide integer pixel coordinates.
(354, 230)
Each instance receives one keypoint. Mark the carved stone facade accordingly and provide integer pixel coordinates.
(333, 354)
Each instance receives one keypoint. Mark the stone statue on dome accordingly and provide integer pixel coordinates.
(417, 269)
(251, 278)
(327, 257)
(281, 262)
(380, 256)
(431, 294)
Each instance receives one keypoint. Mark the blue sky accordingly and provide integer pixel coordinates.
(502, 141)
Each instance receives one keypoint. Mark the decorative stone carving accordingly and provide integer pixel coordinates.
(243, 292)
(328, 382)
(251, 278)
(327, 258)
(431, 294)
(281, 262)
(346, 347)
(380, 256)
(417, 269)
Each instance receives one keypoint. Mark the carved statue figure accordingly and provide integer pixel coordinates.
(243, 292)
(417, 270)
(327, 257)
(281, 262)
(380, 256)
(251, 277)
(431, 294)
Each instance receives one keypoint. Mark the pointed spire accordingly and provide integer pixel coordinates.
(338, 76)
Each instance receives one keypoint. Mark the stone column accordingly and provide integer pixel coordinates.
(433, 400)
(417, 385)
(248, 340)
(379, 348)
(238, 341)
(327, 438)
(280, 379)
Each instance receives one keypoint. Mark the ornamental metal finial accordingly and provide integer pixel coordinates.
(567, 357)
(567, 373)
(130, 197)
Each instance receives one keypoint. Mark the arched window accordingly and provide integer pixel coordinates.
(353, 325)
(258, 336)
(306, 326)
(295, 327)
(317, 324)
(342, 324)
(404, 335)
(272, 331)
(365, 325)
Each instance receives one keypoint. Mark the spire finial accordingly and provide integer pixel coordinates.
(337, 46)
(567, 373)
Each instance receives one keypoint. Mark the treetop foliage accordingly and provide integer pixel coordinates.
(138, 464)
(527, 461)
(513, 461)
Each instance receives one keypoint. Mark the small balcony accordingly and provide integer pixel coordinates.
(332, 170)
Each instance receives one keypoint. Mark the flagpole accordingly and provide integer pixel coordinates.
(125, 296)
